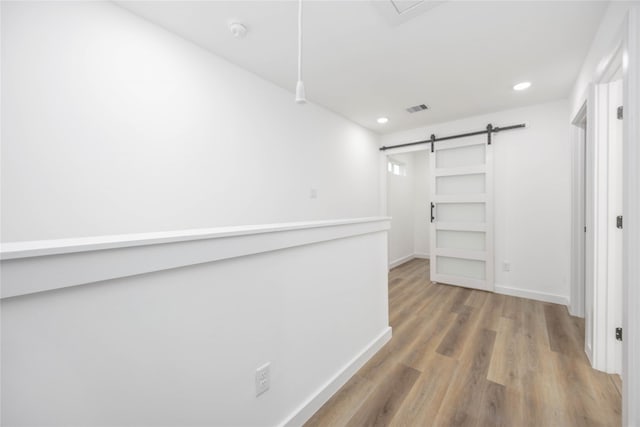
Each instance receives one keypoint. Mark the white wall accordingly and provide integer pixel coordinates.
(596, 58)
(532, 195)
(180, 347)
(113, 125)
(408, 199)
(400, 201)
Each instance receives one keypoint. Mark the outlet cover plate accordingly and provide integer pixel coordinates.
(263, 379)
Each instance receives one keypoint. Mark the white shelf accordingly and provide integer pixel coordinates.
(30, 267)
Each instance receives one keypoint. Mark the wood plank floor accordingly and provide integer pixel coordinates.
(461, 357)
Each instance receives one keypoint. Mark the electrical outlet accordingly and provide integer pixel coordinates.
(506, 266)
(263, 379)
(313, 193)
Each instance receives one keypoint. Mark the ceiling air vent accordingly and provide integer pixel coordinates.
(396, 12)
(403, 6)
(417, 108)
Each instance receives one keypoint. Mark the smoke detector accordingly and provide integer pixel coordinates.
(237, 29)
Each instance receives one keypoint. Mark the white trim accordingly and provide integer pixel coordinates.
(578, 235)
(462, 253)
(466, 282)
(590, 245)
(615, 207)
(382, 183)
(462, 170)
(461, 226)
(581, 116)
(31, 267)
(405, 259)
(460, 143)
(13, 250)
(324, 393)
(489, 263)
(631, 230)
(400, 261)
(600, 291)
(589, 352)
(460, 198)
(598, 231)
(534, 295)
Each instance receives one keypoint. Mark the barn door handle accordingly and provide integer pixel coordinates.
(432, 217)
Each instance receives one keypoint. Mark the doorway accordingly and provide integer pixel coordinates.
(597, 204)
(408, 200)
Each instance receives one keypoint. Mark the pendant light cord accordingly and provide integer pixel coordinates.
(300, 96)
(299, 40)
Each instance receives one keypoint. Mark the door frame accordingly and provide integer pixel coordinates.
(382, 167)
(627, 44)
(631, 213)
(382, 181)
(599, 289)
(578, 220)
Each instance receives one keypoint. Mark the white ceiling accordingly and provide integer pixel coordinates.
(459, 58)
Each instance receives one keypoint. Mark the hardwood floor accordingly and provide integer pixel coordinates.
(466, 357)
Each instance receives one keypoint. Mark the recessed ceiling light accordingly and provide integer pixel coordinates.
(382, 120)
(522, 86)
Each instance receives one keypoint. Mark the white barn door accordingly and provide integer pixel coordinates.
(462, 213)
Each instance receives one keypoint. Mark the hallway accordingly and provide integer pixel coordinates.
(467, 357)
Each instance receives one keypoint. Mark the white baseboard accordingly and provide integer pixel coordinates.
(538, 296)
(589, 353)
(324, 393)
(404, 259)
(575, 313)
